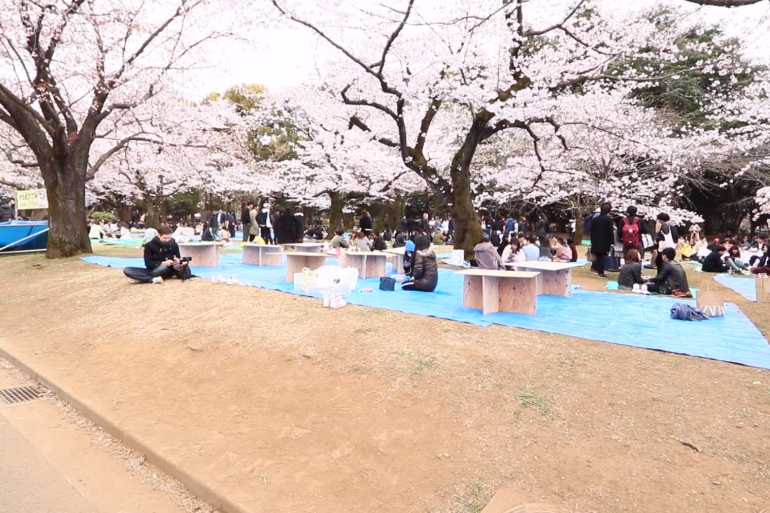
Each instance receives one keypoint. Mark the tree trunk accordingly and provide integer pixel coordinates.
(467, 227)
(153, 212)
(164, 210)
(335, 212)
(399, 208)
(68, 228)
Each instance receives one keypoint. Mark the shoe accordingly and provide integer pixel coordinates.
(133, 281)
(636, 289)
(327, 300)
(157, 279)
(643, 290)
(232, 280)
(602, 276)
(337, 302)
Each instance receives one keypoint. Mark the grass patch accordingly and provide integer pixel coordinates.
(423, 363)
(530, 397)
(472, 499)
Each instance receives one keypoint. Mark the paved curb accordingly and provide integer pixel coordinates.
(198, 488)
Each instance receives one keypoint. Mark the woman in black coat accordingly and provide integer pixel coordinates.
(299, 219)
(286, 227)
(602, 237)
(425, 268)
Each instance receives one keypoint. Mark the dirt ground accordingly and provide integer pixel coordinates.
(289, 407)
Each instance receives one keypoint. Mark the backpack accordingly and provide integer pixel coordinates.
(630, 233)
(588, 223)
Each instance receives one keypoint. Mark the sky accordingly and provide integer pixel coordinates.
(287, 56)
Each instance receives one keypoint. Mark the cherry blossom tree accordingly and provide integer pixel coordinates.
(495, 67)
(67, 66)
(184, 146)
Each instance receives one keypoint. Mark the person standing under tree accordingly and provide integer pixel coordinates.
(246, 220)
(631, 229)
(265, 223)
(602, 237)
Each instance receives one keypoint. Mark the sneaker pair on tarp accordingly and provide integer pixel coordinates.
(640, 289)
(333, 301)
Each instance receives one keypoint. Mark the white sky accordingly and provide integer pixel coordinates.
(287, 56)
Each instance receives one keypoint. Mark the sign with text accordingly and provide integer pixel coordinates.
(31, 200)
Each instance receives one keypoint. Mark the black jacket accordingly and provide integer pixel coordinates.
(400, 241)
(246, 216)
(713, 264)
(672, 277)
(630, 274)
(425, 270)
(365, 223)
(300, 227)
(379, 245)
(602, 235)
(286, 229)
(157, 252)
(544, 228)
(7, 213)
(425, 225)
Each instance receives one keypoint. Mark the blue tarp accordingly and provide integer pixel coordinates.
(746, 287)
(633, 320)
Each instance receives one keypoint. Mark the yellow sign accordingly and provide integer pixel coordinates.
(31, 200)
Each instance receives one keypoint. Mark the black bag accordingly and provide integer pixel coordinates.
(387, 284)
(612, 262)
(184, 273)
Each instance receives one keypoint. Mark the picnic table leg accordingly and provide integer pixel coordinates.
(490, 294)
(398, 264)
(270, 257)
(375, 267)
(557, 283)
(519, 296)
(473, 292)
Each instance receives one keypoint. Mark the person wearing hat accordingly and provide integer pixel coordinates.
(486, 255)
(409, 249)
(424, 267)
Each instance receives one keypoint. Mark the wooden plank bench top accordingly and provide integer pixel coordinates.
(396, 251)
(311, 247)
(262, 254)
(305, 254)
(500, 291)
(499, 274)
(555, 278)
(203, 254)
(296, 262)
(546, 266)
(370, 264)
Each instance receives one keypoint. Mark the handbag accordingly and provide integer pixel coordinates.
(612, 261)
(711, 300)
(387, 284)
(668, 239)
(647, 241)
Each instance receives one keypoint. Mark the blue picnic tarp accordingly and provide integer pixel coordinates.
(632, 320)
(746, 287)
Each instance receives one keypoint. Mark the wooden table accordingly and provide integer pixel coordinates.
(203, 254)
(370, 264)
(308, 247)
(261, 254)
(398, 259)
(297, 261)
(555, 277)
(500, 291)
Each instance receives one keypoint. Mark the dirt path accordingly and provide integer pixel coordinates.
(286, 406)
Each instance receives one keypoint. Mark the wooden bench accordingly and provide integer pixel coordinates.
(203, 254)
(398, 255)
(370, 264)
(500, 291)
(297, 261)
(555, 277)
(255, 254)
(308, 247)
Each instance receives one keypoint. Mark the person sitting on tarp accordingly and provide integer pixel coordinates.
(631, 272)
(671, 278)
(713, 263)
(409, 250)
(424, 268)
(161, 260)
(486, 255)
(763, 266)
(95, 230)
